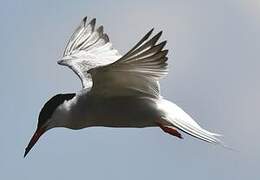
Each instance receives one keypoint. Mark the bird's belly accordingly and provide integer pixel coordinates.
(120, 112)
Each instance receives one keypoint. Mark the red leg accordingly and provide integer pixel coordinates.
(170, 130)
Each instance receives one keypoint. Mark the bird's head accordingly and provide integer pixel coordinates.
(46, 120)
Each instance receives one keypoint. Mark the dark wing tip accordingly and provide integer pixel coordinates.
(85, 20)
(100, 29)
(157, 36)
(25, 153)
(105, 37)
(161, 45)
(93, 22)
(150, 32)
(165, 52)
(146, 36)
(160, 33)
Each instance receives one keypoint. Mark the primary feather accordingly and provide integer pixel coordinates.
(88, 47)
(135, 73)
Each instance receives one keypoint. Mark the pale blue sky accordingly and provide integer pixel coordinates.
(214, 61)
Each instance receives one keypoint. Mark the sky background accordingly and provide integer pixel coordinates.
(214, 75)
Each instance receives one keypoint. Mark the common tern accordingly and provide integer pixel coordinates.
(118, 90)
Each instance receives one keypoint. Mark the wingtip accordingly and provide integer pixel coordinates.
(25, 152)
(93, 22)
(165, 51)
(162, 44)
(100, 29)
(148, 34)
(105, 37)
(158, 35)
(85, 20)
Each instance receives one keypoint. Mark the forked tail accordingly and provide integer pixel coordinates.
(175, 116)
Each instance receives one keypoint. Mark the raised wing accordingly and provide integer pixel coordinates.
(88, 47)
(136, 73)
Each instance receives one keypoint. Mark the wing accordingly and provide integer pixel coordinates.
(88, 47)
(136, 73)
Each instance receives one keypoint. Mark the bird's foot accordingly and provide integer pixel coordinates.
(170, 130)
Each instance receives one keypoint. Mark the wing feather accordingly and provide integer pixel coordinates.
(135, 73)
(88, 47)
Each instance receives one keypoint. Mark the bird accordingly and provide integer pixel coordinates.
(119, 91)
